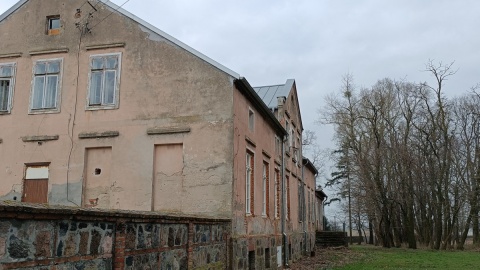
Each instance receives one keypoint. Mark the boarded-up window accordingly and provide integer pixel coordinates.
(35, 188)
(97, 190)
(168, 189)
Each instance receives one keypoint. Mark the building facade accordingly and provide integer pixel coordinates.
(102, 110)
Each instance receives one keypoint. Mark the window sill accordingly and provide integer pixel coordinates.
(43, 111)
(98, 108)
(4, 112)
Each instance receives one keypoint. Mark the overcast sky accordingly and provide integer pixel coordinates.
(315, 42)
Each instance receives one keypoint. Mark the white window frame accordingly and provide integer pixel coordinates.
(116, 94)
(276, 193)
(11, 87)
(248, 181)
(58, 99)
(265, 189)
(299, 149)
(289, 141)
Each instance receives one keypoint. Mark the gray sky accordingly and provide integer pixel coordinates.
(317, 41)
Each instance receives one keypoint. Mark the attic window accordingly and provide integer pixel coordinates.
(53, 25)
(251, 120)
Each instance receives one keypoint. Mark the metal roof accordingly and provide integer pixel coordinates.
(148, 26)
(269, 94)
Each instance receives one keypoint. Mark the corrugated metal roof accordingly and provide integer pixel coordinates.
(270, 93)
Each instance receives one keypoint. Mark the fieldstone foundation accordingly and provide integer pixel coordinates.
(38, 237)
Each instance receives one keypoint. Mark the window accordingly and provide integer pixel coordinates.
(35, 186)
(53, 25)
(291, 138)
(266, 189)
(301, 202)
(278, 146)
(299, 149)
(46, 85)
(249, 183)
(277, 193)
(104, 81)
(7, 74)
(251, 120)
(268, 258)
(287, 128)
(288, 196)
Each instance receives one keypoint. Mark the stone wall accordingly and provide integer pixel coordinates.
(40, 237)
(262, 252)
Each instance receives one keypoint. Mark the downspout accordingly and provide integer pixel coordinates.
(304, 208)
(284, 206)
(323, 213)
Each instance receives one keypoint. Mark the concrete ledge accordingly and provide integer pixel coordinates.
(265, 153)
(19, 210)
(104, 46)
(11, 55)
(97, 135)
(167, 130)
(250, 141)
(50, 51)
(43, 138)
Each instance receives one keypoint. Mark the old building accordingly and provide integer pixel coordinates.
(100, 109)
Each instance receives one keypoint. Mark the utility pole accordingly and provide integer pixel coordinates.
(349, 208)
(347, 167)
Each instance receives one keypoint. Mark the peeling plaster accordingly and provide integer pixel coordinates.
(58, 194)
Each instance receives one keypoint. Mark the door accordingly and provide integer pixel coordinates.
(35, 187)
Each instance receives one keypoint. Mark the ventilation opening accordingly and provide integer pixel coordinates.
(251, 260)
(98, 171)
(267, 258)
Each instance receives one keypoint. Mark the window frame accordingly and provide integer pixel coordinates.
(53, 31)
(251, 120)
(11, 87)
(277, 193)
(116, 94)
(249, 182)
(265, 188)
(287, 180)
(58, 97)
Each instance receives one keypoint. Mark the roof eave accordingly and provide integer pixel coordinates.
(12, 9)
(170, 38)
(308, 163)
(245, 87)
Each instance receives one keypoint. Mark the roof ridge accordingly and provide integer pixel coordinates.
(269, 85)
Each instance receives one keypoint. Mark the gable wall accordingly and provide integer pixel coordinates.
(161, 86)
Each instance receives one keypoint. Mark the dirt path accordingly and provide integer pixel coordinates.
(327, 258)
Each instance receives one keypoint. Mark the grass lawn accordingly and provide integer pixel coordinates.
(369, 257)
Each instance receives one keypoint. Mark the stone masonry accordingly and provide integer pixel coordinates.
(40, 238)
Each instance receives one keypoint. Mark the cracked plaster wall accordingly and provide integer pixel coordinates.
(161, 85)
